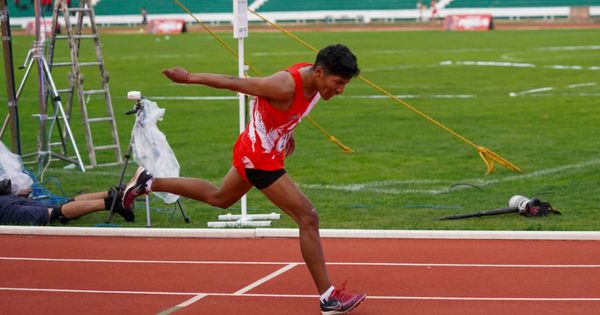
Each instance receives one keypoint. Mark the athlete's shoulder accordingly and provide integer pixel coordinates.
(283, 81)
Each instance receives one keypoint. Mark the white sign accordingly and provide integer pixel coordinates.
(240, 18)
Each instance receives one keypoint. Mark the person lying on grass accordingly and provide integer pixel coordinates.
(19, 209)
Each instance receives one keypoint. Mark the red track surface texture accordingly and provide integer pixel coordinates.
(105, 275)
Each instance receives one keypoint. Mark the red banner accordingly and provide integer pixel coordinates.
(468, 22)
(166, 26)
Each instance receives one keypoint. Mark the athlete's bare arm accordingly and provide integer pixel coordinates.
(278, 88)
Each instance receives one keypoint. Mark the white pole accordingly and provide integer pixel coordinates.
(240, 31)
(242, 108)
(148, 214)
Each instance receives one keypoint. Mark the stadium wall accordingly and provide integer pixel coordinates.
(357, 16)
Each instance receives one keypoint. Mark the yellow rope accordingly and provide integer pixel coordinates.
(488, 156)
(298, 39)
(330, 137)
(233, 52)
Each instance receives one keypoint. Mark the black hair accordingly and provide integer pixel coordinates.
(338, 60)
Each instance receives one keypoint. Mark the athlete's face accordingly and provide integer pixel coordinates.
(330, 85)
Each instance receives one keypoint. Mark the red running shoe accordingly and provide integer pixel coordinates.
(136, 187)
(340, 302)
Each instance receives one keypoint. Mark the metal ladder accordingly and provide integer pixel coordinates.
(76, 78)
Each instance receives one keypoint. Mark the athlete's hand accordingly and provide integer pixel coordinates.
(290, 146)
(178, 74)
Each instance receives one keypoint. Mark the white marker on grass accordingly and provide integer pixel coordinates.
(513, 94)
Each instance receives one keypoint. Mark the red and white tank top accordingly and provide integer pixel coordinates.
(262, 144)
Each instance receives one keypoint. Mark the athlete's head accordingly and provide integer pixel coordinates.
(334, 67)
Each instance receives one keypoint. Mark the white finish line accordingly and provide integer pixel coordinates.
(237, 293)
(266, 278)
(293, 233)
(289, 265)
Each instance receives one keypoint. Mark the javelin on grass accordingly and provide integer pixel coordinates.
(482, 213)
(329, 136)
(487, 155)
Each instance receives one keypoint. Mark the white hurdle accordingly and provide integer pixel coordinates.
(240, 31)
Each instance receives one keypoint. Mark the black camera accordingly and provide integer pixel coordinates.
(5, 186)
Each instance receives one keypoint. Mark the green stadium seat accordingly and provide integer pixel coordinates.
(133, 7)
(520, 3)
(318, 5)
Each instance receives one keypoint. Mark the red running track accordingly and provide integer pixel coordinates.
(109, 275)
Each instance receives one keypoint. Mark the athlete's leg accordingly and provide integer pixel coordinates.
(288, 197)
(77, 208)
(92, 196)
(230, 191)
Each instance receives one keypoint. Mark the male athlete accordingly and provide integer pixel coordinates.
(279, 103)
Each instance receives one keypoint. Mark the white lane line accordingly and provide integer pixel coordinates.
(194, 98)
(162, 56)
(379, 186)
(538, 90)
(370, 186)
(559, 48)
(457, 298)
(410, 181)
(572, 86)
(451, 298)
(572, 67)
(95, 291)
(487, 63)
(183, 304)
(265, 279)
(376, 96)
(464, 265)
(514, 64)
(409, 96)
(137, 261)
(567, 94)
(281, 53)
(191, 301)
(289, 265)
(540, 173)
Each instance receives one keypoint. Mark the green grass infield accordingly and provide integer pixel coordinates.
(531, 96)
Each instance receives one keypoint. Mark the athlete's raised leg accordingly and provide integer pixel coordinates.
(229, 192)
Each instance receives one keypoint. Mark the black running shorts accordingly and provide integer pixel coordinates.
(262, 179)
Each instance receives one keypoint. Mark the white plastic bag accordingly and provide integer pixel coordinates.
(150, 147)
(12, 168)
